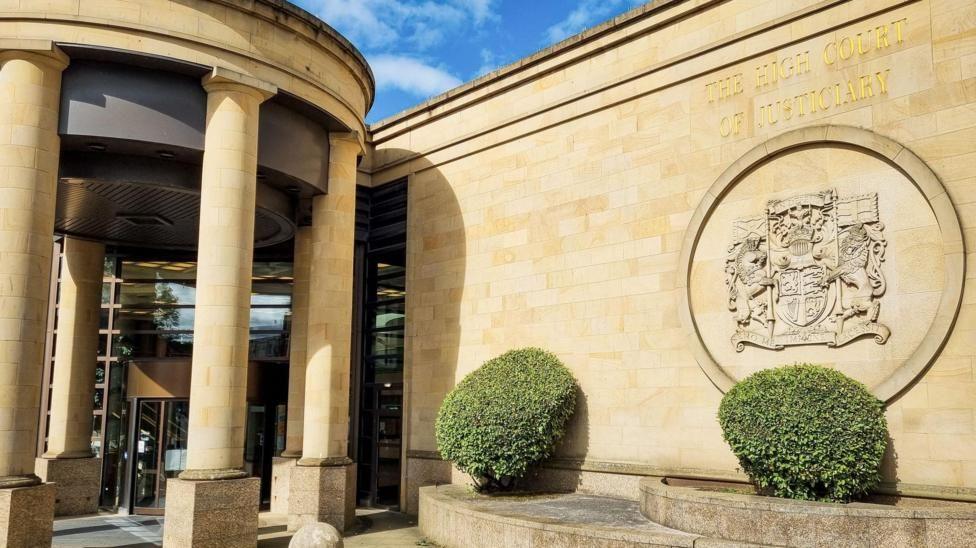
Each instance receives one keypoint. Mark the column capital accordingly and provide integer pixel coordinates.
(345, 140)
(45, 51)
(222, 79)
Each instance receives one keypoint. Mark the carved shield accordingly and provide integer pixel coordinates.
(803, 298)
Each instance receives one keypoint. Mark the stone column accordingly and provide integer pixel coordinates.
(68, 461)
(323, 484)
(213, 502)
(282, 466)
(30, 90)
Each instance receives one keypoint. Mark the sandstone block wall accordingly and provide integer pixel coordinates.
(548, 204)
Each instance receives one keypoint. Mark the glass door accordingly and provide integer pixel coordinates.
(160, 451)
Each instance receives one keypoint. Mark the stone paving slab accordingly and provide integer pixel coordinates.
(375, 528)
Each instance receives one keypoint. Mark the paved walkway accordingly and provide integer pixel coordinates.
(374, 528)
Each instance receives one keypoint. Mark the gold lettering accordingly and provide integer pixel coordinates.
(898, 25)
(708, 91)
(798, 101)
(866, 90)
(836, 94)
(829, 59)
(762, 76)
(725, 126)
(770, 118)
(881, 33)
(737, 83)
(849, 48)
(786, 68)
(851, 92)
(724, 89)
(860, 44)
(882, 81)
(787, 108)
(803, 62)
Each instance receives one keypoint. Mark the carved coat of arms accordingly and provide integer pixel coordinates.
(808, 271)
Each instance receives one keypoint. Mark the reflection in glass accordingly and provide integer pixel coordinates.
(153, 294)
(389, 315)
(265, 319)
(108, 267)
(272, 271)
(153, 345)
(158, 270)
(268, 345)
(390, 342)
(96, 437)
(154, 319)
(115, 438)
(271, 294)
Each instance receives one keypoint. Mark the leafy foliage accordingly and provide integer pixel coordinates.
(505, 416)
(806, 432)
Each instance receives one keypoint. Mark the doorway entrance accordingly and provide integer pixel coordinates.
(159, 452)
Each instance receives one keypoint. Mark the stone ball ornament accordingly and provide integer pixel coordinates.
(316, 535)
(828, 244)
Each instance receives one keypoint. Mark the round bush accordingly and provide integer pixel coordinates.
(505, 416)
(806, 432)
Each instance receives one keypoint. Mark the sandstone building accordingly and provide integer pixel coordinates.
(224, 285)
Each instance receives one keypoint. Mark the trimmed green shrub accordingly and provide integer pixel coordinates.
(505, 416)
(806, 432)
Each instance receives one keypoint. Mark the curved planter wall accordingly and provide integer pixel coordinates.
(782, 522)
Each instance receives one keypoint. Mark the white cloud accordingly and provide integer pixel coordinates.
(587, 13)
(489, 62)
(404, 24)
(411, 75)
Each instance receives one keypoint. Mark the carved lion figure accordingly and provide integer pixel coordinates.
(746, 279)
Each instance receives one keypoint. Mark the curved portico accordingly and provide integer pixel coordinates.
(195, 128)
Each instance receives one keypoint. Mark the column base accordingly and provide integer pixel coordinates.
(214, 513)
(77, 483)
(281, 468)
(324, 494)
(27, 516)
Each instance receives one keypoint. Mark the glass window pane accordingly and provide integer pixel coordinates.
(100, 373)
(386, 343)
(159, 270)
(391, 288)
(162, 345)
(137, 295)
(106, 293)
(272, 271)
(154, 319)
(268, 345)
(96, 438)
(102, 344)
(108, 267)
(386, 270)
(270, 319)
(99, 399)
(389, 315)
(271, 293)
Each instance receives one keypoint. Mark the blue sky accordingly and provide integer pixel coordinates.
(420, 48)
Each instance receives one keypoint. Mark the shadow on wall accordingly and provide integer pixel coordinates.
(436, 263)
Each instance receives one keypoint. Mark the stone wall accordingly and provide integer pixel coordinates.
(550, 205)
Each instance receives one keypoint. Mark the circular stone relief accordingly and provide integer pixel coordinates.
(829, 245)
